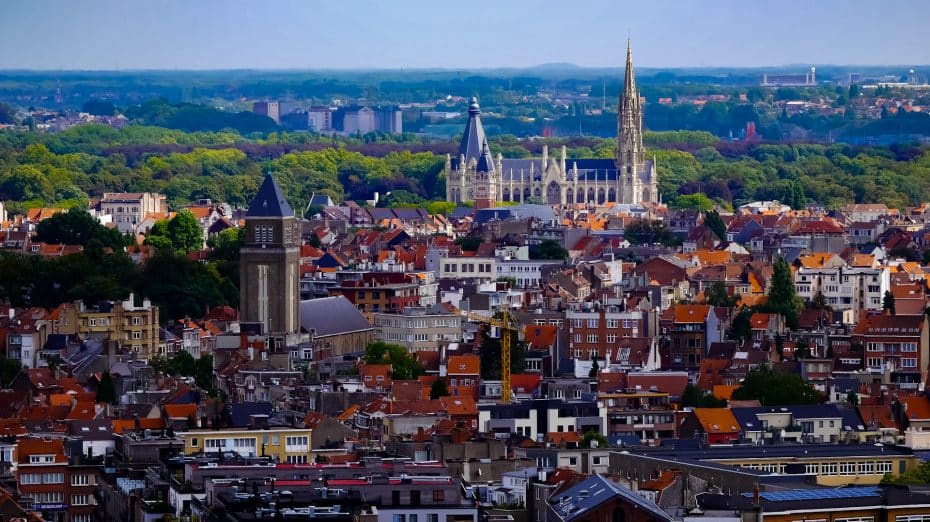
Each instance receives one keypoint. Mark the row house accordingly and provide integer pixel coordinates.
(535, 418)
(61, 493)
(848, 290)
(894, 347)
(647, 416)
(594, 331)
(388, 291)
(688, 332)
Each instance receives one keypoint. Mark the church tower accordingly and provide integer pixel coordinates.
(636, 176)
(269, 284)
(473, 176)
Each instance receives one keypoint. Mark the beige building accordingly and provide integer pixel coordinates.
(133, 326)
(130, 208)
(418, 328)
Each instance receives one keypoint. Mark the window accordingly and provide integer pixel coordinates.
(137, 335)
(592, 338)
(41, 459)
(79, 500)
(80, 518)
(80, 480)
(592, 323)
(595, 460)
(909, 363)
(136, 321)
(194, 442)
(439, 495)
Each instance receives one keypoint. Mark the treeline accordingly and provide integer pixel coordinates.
(695, 169)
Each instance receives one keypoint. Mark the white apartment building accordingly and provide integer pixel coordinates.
(130, 208)
(847, 290)
(480, 268)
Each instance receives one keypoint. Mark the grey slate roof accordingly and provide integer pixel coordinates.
(474, 140)
(541, 212)
(332, 316)
(239, 413)
(575, 502)
(269, 201)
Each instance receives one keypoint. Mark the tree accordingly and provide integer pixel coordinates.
(593, 439)
(438, 389)
(917, 476)
(716, 295)
(106, 390)
(181, 287)
(888, 303)
(741, 326)
(594, 369)
(183, 364)
(77, 227)
(773, 388)
(491, 355)
(548, 249)
(182, 233)
(643, 232)
(852, 398)
(99, 108)
(9, 369)
(783, 298)
(715, 224)
(802, 350)
(695, 397)
(780, 346)
(698, 201)
(403, 365)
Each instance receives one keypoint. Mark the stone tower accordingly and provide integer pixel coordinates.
(474, 175)
(269, 278)
(636, 176)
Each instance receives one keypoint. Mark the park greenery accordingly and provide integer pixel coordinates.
(696, 170)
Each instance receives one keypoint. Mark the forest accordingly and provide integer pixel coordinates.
(696, 169)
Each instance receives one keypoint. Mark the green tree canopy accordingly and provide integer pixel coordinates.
(782, 297)
(106, 390)
(438, 389)
(77, 227)
(548, 249)
(773, 388)
(716, 225)
(182, 233)
(643, 232)
(403, 365)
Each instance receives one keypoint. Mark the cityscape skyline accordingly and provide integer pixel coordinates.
(289, 35)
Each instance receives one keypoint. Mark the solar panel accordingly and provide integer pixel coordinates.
(817, 494)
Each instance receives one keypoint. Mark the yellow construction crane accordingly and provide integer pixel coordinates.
(505, 324)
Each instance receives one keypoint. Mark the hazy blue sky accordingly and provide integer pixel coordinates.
(219, 34)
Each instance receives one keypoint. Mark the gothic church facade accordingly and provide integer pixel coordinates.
(630, 178)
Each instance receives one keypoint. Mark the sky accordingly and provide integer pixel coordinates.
(396, 34)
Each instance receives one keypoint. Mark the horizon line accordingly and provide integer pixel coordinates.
(551, 66)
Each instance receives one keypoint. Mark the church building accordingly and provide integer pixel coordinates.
(269, 279)
(630, 178)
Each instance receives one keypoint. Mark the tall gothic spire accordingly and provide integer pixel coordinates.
(629, 121)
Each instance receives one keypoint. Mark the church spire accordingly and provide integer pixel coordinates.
(629, 124)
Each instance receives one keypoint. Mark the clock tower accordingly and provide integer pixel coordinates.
(269, 279)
